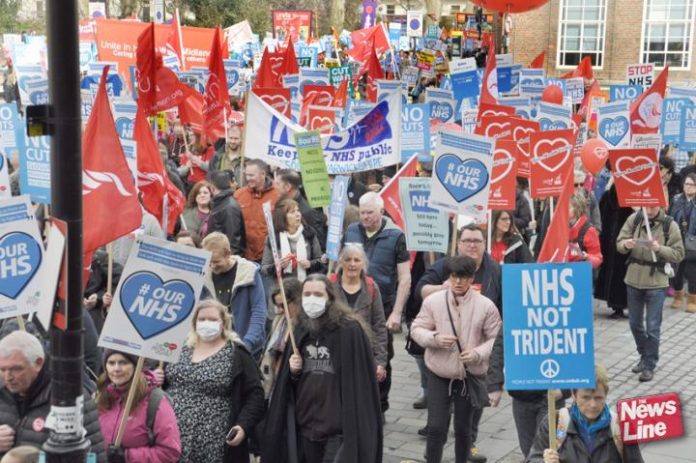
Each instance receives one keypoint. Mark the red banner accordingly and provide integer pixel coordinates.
(504, 175)
(637, 177)
(496, 127)
(117, 41)
(551, 153)
(644, 419)
(321, 119)
(520, 133)
(293, 24)
(487, 109)
(276, 98)
(320, 95)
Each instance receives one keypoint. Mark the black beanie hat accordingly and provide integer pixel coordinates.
(109, 352)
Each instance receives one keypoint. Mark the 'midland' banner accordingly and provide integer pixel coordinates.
(371, 143)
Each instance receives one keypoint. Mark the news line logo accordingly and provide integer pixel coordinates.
(650, 418)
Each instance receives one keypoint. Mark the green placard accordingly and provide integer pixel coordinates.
(315, 177)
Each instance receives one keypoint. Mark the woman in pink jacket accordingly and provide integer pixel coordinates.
(141, 443)
(457, 327)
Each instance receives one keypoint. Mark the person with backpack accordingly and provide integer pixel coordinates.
(651, 262)
(683, 209)
(360, 292)
(583, 236)
(151, 434)
(588, 431)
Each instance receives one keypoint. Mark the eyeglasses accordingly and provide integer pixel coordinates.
(689, 184)
(471, 241)
(579, 185)
(505, 219)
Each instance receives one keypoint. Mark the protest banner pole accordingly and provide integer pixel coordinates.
(646, 222)
(242, 179)
(490, 230)
(46, 214)
(550, 207)
(129, 402)
(181, 39)
(21, 324)
(110, 266)
(453, 243)
(286, 311)
(551, 399)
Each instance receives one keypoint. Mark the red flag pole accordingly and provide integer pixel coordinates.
(181, 40)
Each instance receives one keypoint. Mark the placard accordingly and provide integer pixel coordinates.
(650, 418)
(547, 326)
(21, 258)
(554, 117)
(551, 152)
(687, 131)
(640, 74)
(504, 176)
(461, 174)
(575, 89)
(426, 228)
(613, 124)
(151, 311)
(339, 200)
(442, 104)
(314, 176)
(415, 131)
(637, 177)
(672, 122)
(625, 92)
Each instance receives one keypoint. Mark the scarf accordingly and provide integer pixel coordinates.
(300, 253)
(588, 431)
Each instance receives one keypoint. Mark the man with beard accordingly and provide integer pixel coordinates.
(325, 406)
(228, 156)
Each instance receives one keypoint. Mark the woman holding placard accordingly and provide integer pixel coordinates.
(508, 246)
(151, 434)
(587, 432)
(215, 389)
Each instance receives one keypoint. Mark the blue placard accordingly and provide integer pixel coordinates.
(11, 131)
(35, 168)
(114, 84)
(547, 326)
(415, 131)
(309, 52)
(687, 134)
(672, 121)
(339, 195)
(505, 83)
(625, 92)
(465, 85)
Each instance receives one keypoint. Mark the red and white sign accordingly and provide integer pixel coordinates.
(320, 95)
(637, 177)
(521, 134)
(496, 127)
(275, 97)
(294, 24)
(655, 417)
(551, 152)
(321, 119)
(487, 109)
(503, 176)
(640, 74)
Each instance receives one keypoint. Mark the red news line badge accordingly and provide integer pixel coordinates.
(650, 418)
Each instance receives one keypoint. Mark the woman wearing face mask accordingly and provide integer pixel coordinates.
(159, 444)
(588, 431)
(215, 389)
(329, 386)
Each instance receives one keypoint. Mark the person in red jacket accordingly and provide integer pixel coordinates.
(140, 444)
(584, 239)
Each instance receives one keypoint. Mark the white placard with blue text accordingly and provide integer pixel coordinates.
(11, 142)
(547, 326)
(21, 258)
(442, 104)
(613, 124)
(575, 89)
(687, 135)
(309, 76)
(339, 199)
(426, 228)
(554, 117)
(155, 298)
(671, 124)
(35, 168)
(461, 174)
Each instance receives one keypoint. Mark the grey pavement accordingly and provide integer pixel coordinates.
(614, 348)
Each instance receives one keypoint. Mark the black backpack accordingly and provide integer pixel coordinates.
(152, 406)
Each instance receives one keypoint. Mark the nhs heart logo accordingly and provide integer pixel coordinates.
(614, 130)
(124, 127)
(154, 306)
(461, 178)
(20, 260)
(441, 110)
(232, 78)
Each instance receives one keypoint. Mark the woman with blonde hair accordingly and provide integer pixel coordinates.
(215, 389)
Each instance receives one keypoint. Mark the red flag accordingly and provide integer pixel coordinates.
(538, 62)
(584, 70)
(268, 74)
(390, 192)
(374, 72)
(582, 110)
(175, 40)
(319, 95)
(341, 95)
(217, 100)
(110, 199)
(158, 86)
(555, 246)
(646, 111)
(191, 111)
(489, 89)
(290, 65)
(175, 204)
(150, 169)
(364, 41)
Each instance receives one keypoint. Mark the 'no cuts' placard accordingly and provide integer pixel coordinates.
(21, 257)
(153, 305)
(547, 323)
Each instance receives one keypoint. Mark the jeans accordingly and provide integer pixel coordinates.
(685, 270)
(528, 415)
(385, 385)
(325, 451)
(423, 370)
(439, 400)
(646, 304)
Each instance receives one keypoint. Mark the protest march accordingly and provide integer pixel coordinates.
(305, 247)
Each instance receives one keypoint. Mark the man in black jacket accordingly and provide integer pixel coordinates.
(225, 213)
(288, 182)
(25, 398)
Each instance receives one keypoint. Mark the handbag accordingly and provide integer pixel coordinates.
(690, 248)
(475, 385)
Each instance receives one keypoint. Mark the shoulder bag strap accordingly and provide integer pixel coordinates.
(454, 330)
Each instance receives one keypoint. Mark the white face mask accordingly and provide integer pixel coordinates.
(208, 330)
(313, 306)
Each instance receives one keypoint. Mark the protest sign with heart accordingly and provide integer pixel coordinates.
(551, 151)
(637, 177)
(20, 260)
(503, 177)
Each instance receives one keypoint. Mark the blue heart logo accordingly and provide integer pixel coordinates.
(2, 161)
(39, 97)
(548, 124)
(461, 179)
(153, 306)
(613, 130)
(20, 259)
(232, 78)
(124, 127)
(441, 110)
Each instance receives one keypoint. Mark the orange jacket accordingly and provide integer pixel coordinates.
(251, 203)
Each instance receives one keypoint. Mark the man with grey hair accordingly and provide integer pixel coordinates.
(25, 397)
(385, 246)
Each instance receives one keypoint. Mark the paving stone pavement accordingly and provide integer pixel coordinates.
(614, 348)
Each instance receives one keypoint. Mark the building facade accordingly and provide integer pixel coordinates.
(614, 33)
